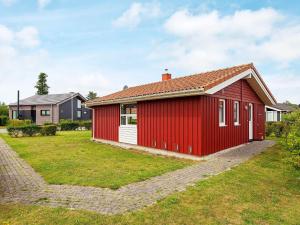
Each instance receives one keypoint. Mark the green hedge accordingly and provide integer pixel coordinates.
(48, 130)
(19, 123)
(75, 125)
(68, 125)
(275, 128)
(31, 130)
(3, 120)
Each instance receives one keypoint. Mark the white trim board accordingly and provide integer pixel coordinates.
(250, 73)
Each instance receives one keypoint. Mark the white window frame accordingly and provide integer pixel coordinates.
(236, 103)
(222, 124)
(79, 104)
(127, 115)
(14, 114)
(77, 114)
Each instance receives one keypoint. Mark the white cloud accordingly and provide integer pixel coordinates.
(8, 2)
(43, 3)
(133, 16)
(209, 40)
(6, 35)
(28, 37)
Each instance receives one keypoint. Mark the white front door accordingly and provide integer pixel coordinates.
(250, 121)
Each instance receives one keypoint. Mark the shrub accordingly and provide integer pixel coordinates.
(48, 130)
(291, 131)
(278, 128)
(48, 123)
(87, 124)
(68, 125)
(21, 131)
(19, 123)
(3, 120)
(269, 128)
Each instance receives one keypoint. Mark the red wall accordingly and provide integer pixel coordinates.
(107, 120)
(164, 124)
(189, 122)
(194, 121)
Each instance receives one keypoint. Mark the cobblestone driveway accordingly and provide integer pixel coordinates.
(19, 183)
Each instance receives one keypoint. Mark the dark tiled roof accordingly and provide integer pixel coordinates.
(45, 99)
(284, 107)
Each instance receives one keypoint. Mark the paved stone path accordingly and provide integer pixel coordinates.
(19, 183)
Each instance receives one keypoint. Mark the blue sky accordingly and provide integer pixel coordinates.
(103, 45)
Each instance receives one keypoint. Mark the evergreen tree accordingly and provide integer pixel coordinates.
(91, 95)
(3, 109)
(41, 85)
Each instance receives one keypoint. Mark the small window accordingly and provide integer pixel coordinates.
(45, 112)
(236, 113)
(128, 114)
(78, 104)
(78, 114)
(14, 114)
(222, 112)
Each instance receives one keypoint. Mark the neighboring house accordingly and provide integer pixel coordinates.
(51, 108)
(274, 113)
(198, 114)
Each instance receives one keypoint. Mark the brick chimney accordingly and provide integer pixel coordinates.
(166, 75)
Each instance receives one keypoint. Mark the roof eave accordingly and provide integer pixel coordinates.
(190, 92)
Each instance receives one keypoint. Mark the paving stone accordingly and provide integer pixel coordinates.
(19, 183)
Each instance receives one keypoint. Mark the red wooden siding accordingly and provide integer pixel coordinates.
(166, 124)
(194, 121)
(189, 123)
(107, 120)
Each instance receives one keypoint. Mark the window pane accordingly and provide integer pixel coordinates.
(78, 104)
(128, 109)
(78, 114)
(235, 112)
(131, 120)
(123, 120)
(221, 112)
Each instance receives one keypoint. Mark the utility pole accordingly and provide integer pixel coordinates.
(18, 106)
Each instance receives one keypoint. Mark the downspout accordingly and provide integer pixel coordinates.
(72, 109)
(93, 123)
(51, 113)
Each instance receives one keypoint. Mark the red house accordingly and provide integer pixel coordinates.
(198, 114)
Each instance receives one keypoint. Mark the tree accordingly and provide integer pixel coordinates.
(3, 109)
(41, 85)
(91, 95)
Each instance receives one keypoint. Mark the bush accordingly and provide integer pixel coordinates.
(87, 124)
(269, 128)
(3, 120)
(68, 125)
(291, 131)
(23, 131)
(48, 130)
(48, 123)
(31, 130)
(19, 123)
(278, 129)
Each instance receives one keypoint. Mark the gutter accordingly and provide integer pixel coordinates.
(192, 92)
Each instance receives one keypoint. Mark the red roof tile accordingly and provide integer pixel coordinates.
(199, 81)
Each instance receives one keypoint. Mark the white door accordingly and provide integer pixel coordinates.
(250, 121)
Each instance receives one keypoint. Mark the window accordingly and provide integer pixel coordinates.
(78, 104)
(221, 112)
(78, 114)
(45, 112)
(236, 113)
(14, 114)
(128, 114)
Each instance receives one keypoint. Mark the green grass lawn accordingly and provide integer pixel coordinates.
(264, 190)
(72, 158)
